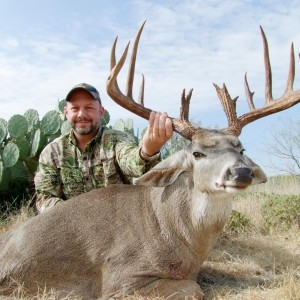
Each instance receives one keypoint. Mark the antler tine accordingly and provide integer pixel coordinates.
(182, 125)
(131, 70)
(185, 105)
(268, 88)
(142, 91)
(229, 107)
(291, 75)
(287, 100)
(113, 54)
(114, 91)
(249, 94)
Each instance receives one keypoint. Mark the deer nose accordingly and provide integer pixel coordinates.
(243, 175)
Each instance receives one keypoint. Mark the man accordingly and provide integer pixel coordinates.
(92, 156)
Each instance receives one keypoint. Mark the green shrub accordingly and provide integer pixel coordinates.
(281, 211)
(237, 222)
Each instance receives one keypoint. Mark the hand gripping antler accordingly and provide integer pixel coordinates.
(180, 125)
(288, 99)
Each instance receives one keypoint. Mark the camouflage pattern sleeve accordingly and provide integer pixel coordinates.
(128, 156)
(46, 180)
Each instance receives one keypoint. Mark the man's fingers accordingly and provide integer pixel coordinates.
(169, 128)
(162, 124)
(156, 124)
(151, 120)
(160, 130)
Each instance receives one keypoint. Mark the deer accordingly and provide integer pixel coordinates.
(150, 238)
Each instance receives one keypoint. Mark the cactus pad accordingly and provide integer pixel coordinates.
(3, 132)
(61, 105)
(31, 164)
(5, 179)
(51, 122)
(1, 171)
(119, 125)
(32, 117)
(10, 155)
(38, 142)
(19, 170)
(65, 127)
(106, 117)
(24, 147)
(17, 126)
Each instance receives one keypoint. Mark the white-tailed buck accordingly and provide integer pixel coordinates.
(149, 238)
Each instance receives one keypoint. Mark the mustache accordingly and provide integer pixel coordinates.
(83, 120)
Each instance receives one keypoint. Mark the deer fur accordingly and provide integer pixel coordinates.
(150, 238)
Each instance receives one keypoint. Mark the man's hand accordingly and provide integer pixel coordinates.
(159, 131)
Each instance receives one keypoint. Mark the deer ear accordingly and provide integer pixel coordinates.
(259, 174)
(167, 171)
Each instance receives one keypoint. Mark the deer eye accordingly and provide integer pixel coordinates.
(242, 151)
(198, 155)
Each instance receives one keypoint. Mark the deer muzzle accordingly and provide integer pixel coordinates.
(241, 175)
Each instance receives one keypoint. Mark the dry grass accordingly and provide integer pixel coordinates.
(15, 217)
(251, 265)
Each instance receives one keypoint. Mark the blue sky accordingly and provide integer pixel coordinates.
(49, 46)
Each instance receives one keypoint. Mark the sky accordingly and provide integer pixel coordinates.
(47, 47)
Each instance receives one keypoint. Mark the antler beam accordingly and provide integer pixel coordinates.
(288, 99)
(181, 125)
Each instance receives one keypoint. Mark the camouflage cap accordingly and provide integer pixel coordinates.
(87, 87)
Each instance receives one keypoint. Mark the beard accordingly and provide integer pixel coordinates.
(85, 130)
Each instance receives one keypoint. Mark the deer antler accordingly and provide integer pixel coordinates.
(180, 125)
(288, 99)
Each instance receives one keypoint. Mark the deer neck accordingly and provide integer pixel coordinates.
(195, 217)
(210, 211)
(194, 207)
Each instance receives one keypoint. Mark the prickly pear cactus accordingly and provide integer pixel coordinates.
(32, 117)
(32, 165)
(5, 180)
(17, 126)
(24, 147)
(51, 122)
(61, 105)
(119, 125)
(106, 118)
(3, 122)
(65, 127)
(10, 155)
(61, 109)
(3, 133)
(129, 126)
(19, 170)
(38, 143)
(126, 126)
(1, 171)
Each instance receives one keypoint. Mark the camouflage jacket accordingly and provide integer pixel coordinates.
(65, 171)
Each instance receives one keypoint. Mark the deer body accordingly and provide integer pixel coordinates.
(149, 238)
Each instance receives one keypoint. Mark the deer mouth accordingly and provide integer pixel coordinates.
(232, 186)
(236, 178)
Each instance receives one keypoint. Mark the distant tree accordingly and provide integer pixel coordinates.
(285, 149)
